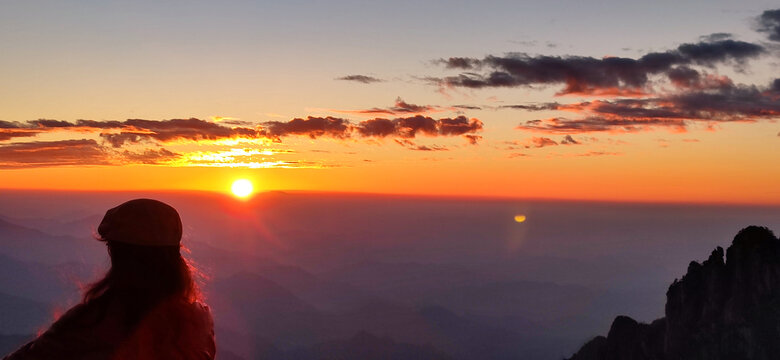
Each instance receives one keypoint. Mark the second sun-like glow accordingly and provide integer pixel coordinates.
(242, 188)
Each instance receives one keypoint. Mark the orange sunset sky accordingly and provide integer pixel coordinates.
(662, 101)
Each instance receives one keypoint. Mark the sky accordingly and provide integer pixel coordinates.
(610, 100)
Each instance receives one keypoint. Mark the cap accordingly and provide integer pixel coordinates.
(143, 222)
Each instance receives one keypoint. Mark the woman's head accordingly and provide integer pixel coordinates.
(143, 238)
(143, 222)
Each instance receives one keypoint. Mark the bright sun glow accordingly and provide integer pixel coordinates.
(242, 188)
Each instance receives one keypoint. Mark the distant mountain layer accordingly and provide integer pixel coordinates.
(719, 310)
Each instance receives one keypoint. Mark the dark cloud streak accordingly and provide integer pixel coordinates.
(400, 107)
(361, 79)
(588, 75)
(76, 152)
(52, 153)
(727, 104)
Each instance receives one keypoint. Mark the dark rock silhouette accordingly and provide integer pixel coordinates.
(719, 310)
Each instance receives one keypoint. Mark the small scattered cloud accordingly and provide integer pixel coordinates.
(400, 107)
(467, 107)
(365, 79)
(473, 139)
(568, 140)
(718, 36)
(430, 148)
(533, 107)
(598, 153)
(517, 155)
(540, 142)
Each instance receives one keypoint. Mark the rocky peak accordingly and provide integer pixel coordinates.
(718, 310)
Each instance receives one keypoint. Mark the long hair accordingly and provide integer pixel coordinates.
(140, 278)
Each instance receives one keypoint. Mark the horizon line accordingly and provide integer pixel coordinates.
(444, 197)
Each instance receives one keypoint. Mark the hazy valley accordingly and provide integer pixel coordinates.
(291, 275)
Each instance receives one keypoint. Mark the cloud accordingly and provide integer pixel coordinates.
(542, 142)
(8, 134)
(516, 155)
(769, 23)
(473, 139)
(568, 140)
(312, 127)
(121, 137)
(400, 107)
(81, 152)
(467, 107)
(716, 37)
(150, 156)
(135, 130)
(729, 103)
(458, 126)
(687, 78)
(118, 133)
(533, 107)
(402, 127)
(376, 128)
(598, 153)
(430, 148)
(615, 76)
(411, 145)
(410, 127)
(459, 63)
(52, 153)
(15, 129)
(247, 158)
(595, 124)
(360, 78)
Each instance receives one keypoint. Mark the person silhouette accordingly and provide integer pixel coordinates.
(147, 306)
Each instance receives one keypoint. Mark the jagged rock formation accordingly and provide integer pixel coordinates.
(720, 310)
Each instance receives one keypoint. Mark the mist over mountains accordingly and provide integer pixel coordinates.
(723, 308)
(293, 275)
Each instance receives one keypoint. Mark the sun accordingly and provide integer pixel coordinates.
(242, 188)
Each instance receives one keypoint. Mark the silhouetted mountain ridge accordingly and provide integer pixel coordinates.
(721, 309)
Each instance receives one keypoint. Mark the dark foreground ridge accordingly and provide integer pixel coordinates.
(719, 310)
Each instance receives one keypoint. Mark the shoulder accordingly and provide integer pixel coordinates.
(200, 306)
(200, 332)
(197, 311)
(79, 316)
